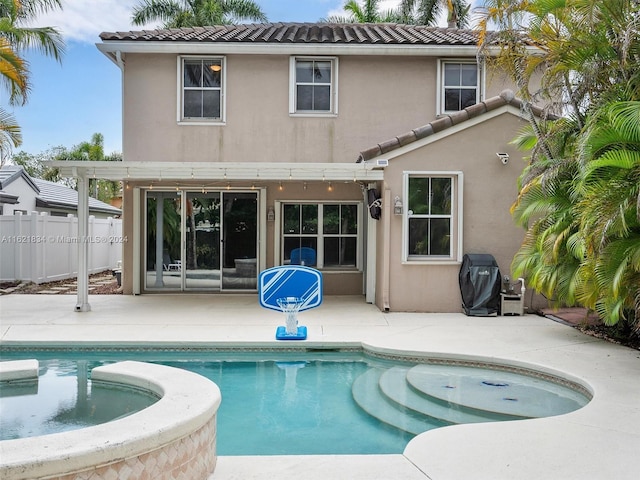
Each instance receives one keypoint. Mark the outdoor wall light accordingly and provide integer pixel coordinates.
(397, 206)
(271, 214)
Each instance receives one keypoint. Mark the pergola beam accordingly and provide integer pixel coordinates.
(156, 172)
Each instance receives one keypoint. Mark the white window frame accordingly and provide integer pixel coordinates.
(440, 101)
(279, 237)
(333, 110)
(223, 90)
(457, 196)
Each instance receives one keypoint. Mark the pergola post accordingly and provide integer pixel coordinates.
(82, 304)
(159, 239)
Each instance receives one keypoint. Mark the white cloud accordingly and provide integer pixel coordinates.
(84, 20)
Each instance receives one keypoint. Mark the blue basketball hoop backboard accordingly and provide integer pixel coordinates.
(290, 281)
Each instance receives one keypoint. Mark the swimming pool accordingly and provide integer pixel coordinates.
(297, 402)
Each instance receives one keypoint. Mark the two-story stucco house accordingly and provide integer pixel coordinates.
(250, 146)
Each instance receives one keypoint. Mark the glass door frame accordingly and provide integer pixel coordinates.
(261, 232)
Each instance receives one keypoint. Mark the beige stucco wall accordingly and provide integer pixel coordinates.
(490, 189)
(378, 97)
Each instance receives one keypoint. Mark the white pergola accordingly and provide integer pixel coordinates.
(192, 174)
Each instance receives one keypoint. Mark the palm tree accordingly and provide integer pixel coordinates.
(366, 13)
(426, 12)
(609, 208)
(10, 135)
(14, 70)
(196, 13)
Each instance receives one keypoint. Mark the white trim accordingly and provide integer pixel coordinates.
(472, 122)
(159, 172)
(480, 86)
(333, 106)
(137, 226)
(223, 91)
(109, 47)
(457, 210)
(277, 226)
(371, 250)
(320, 235)
(261, 250)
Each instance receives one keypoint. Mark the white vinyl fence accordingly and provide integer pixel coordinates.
(43, 248)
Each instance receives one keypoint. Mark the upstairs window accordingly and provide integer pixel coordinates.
(202, 89)
(460, 85)
(313, 89)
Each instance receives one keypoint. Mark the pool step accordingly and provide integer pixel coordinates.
(502, 395)
(414, 399)
(367, 394)
(393, 383)
(421, 397)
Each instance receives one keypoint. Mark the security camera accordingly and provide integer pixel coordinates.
(504, 157)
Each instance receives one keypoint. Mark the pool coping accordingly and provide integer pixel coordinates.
(596, 441)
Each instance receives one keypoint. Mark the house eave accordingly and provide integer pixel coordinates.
(110, 47)
(8, 198)
(72, 207)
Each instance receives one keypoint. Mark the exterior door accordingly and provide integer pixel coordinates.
(208, 241)
(202, 247)
(239, 243)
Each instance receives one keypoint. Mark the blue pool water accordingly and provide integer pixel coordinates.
(62, 400)
(299, 403)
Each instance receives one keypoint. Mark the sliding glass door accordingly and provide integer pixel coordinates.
(208, 241)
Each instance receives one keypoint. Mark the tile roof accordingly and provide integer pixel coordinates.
(55, 195)
(306, 33)
(9, 173)
(506, 97)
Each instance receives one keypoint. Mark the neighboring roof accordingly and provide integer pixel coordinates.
(55, 195)
(506, 97)
(49, 194)
(8, 198)
(306, 33)
(9, 173)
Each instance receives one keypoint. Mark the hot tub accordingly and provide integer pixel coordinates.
(173, 438)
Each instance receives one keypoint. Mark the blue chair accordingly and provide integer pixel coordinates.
(303, 256)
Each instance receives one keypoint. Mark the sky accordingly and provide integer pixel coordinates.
(72, 100)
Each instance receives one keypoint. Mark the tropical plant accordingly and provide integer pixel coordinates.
(10, 135)
(196, 13)
(609, 211)
(15, 37)
(368, 12)
(93, 151)
(427, 12)
(580, 195)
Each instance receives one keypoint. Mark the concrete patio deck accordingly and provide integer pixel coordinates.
(599, 441)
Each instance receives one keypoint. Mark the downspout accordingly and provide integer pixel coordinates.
(82, 304)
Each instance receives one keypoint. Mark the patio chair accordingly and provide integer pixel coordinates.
(303, 256)
(169, 265)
